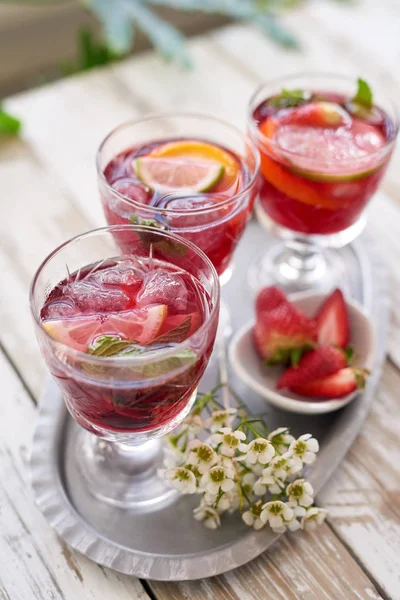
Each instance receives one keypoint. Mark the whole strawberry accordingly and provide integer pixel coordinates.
(282, 332)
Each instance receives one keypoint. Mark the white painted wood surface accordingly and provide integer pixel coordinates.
(49, 193)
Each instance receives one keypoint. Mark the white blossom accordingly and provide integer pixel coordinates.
(281, 466)
(294, 524)
(252, 516)
(300, 492)
(281, 439)
(229, 440)
(225, 501)
(195, 423)
(270, 482)
(276, 513)
(182, 479)
(218, 477)
(221, 418)
(208, 515)
(313, 517)
(258, 451)
(304, 448)
(202, 456)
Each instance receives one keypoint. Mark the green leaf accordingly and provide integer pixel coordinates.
(295, 356)
(9, 125)
(176, 335)
(349, 354)
(118, 25)
(364, 94)
(113, 345)
(182, 358)
(168, 247)
(289, 98)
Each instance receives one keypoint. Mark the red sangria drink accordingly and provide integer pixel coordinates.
(325, 143)
(126, 337)
(194, 175)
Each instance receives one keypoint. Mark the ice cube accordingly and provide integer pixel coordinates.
(60, 310)
(133, 189)
(128, 275)
(91, 298)
(163, 287)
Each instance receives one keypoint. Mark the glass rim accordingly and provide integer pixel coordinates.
(144, 358)
(256, 134)
(169, 211)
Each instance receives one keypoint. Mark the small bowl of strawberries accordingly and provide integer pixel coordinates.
(307, 353)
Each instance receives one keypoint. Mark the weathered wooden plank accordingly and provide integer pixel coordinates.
(64, 124)
(302, 566)
(215, 86)
(34, 563)
(36, 215)
(362, 497)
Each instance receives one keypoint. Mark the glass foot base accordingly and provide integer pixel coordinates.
(281, 265)
(122, 475)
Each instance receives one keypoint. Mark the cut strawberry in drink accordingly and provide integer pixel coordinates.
(316, 364)
(338, 385)
(333, 321)
(282, 334)
(140, 325)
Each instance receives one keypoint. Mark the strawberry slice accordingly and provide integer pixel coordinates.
(283, 333)
(333, 321)
(269, 298)
(316, 364)
(338, 385)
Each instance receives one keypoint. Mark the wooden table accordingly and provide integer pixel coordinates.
(49, 193)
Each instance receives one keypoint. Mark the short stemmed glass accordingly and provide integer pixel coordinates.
(214, 221)
(315, 184)
(125, 402)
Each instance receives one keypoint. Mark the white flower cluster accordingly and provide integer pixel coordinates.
(243, 468)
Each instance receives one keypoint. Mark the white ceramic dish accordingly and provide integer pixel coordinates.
(262, 379)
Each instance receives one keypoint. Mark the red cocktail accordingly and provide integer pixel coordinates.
(325, 142)
(200, 180)
(323, 155)
(127, 338)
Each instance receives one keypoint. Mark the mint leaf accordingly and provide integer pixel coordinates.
(178, 334)
(182, 358)
(112, 345)
(364, 94)
(289, 98)
(168, 247)
(9, 125)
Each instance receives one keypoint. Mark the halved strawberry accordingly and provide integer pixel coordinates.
(338, 385)
(333, 321)
(269, 298)
(283, 333)
(318, 363)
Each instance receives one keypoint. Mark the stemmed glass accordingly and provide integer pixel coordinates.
(312, 196)
(125, 403)
(214, 222)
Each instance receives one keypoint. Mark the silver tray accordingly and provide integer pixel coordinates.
(168, 544)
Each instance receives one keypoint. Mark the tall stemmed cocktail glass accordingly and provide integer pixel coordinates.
(127, 336)
(191, 174)
(324, 148)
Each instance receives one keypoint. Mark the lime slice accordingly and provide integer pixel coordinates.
(141, 325)
(168, 175)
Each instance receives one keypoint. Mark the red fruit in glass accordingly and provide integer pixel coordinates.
(128, 307)
(321, 161)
